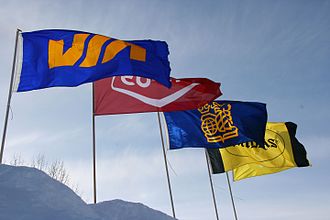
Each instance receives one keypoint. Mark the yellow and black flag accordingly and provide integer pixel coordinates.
(281, 151)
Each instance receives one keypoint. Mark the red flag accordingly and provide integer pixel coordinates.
(131, 94)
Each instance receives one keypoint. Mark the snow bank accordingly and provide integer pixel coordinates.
(121, 210)
(30, 194)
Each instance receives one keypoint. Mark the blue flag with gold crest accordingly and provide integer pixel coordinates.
(51, 58)
(217, 124)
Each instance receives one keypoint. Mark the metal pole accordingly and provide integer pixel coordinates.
(94, 148)
(166, 167)
(212, 188)
(9, 97)
(231, 196)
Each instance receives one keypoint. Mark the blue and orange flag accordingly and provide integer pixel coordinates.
(217, 124)
(51, 58)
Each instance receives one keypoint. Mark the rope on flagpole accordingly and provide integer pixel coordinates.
(211, 183)
(166, 167)
(231, 196)
(9, 97)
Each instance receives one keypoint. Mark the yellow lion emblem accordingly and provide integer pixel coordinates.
(217, 122)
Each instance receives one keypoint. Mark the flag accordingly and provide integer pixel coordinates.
(281, 151)
(51, 58)
(217, 124)
(133, 94)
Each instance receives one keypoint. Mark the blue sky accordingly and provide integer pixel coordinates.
(276, 52)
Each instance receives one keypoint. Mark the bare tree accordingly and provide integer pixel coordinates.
(57, 171)
(17, 160)
(39, 162)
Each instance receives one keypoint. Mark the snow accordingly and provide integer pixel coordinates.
(114, 209)
(30, 194)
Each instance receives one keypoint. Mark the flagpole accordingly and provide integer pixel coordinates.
(231, 196)
(211, 183)
(166, 167)
(9, 97)
(94, 148)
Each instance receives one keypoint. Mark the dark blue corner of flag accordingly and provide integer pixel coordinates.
(253, 119)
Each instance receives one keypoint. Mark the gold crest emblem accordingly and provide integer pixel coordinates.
(217, 122)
